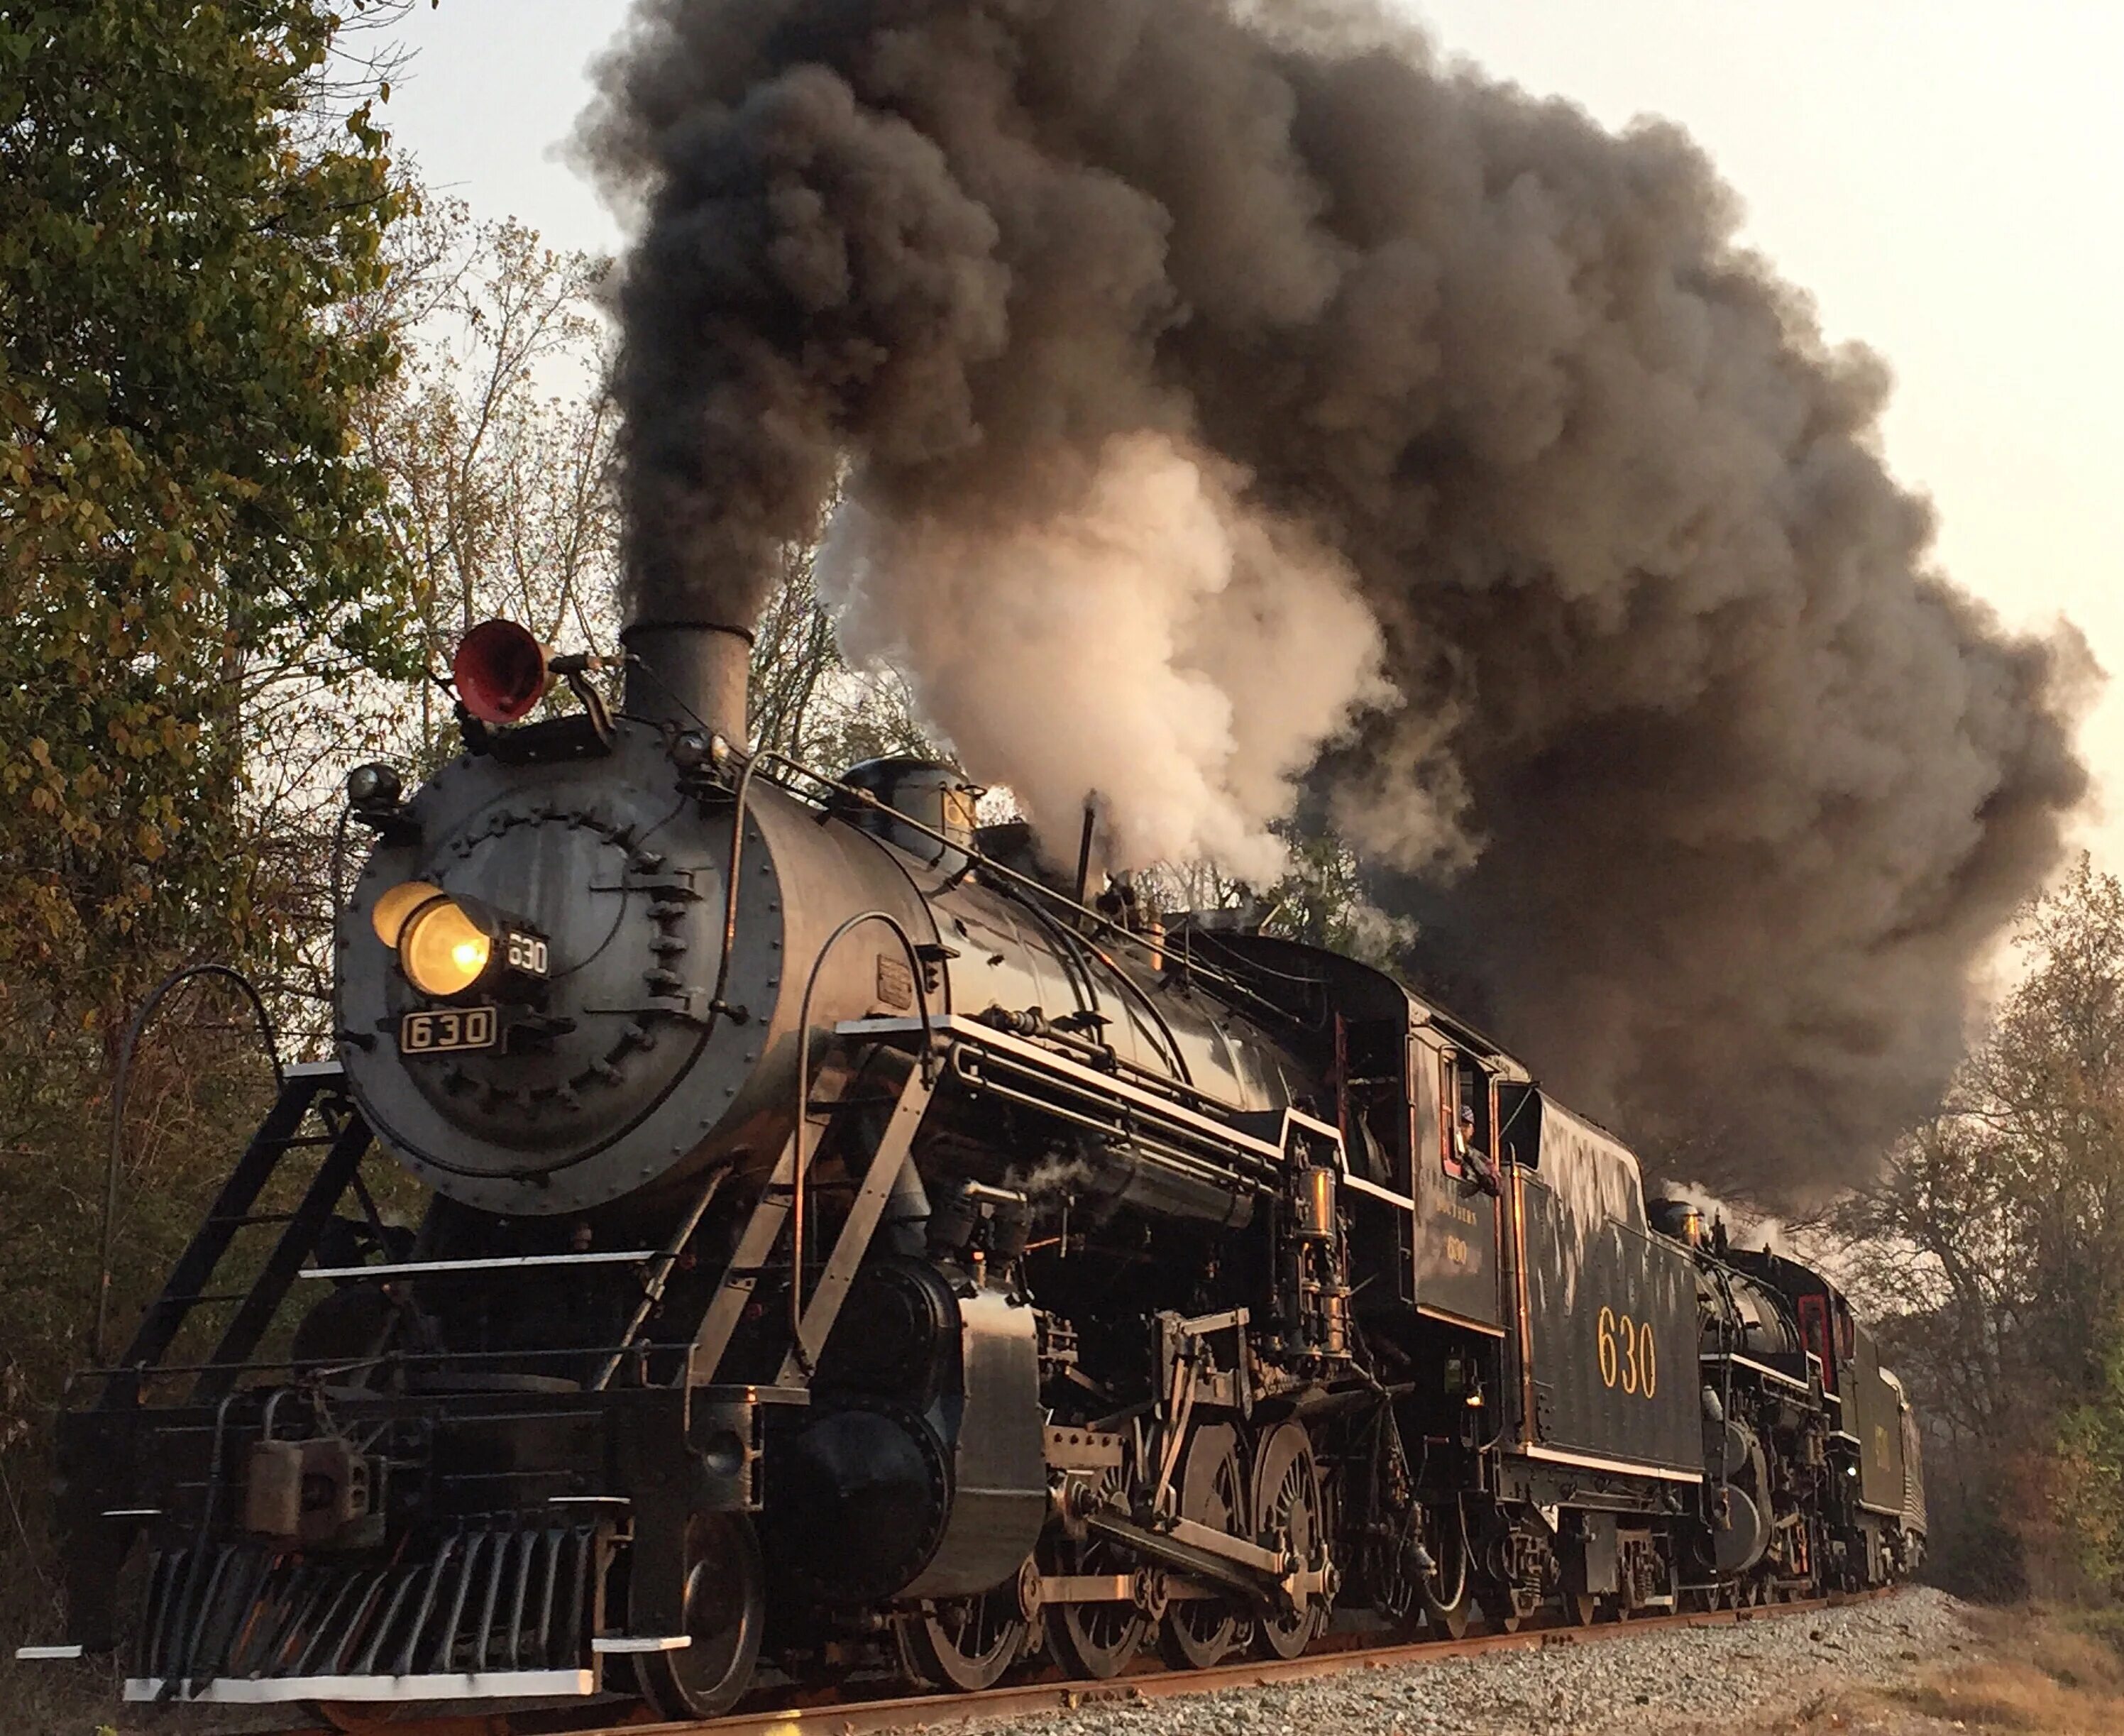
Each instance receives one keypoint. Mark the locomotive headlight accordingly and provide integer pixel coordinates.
(449, 946)
(443, 949)
(388, 917)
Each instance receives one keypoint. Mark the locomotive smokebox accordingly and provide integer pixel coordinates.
(691, 674)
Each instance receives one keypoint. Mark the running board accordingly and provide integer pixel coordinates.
(1110, 1104)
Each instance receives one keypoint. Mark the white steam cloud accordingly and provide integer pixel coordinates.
(1157, 645)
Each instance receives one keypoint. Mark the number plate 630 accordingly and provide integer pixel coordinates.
(529, 954)
(445, 1029)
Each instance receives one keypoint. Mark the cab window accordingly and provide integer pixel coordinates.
(1464, 1086)
(1519, 1124)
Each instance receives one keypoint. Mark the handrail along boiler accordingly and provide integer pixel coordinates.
(840, 1244)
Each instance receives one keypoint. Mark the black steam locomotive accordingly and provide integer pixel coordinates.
(843, 1249)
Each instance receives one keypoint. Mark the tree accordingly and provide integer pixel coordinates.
(1991, 1248)
(2087, 1501)
(494, 442)
(806, 701)
(191, 540)
(185, 518)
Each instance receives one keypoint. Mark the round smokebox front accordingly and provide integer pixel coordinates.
(576, 1066)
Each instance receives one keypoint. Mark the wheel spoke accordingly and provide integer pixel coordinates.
(1198, 1632)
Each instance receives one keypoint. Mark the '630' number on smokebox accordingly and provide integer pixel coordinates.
(528, 952)
(445, 1029)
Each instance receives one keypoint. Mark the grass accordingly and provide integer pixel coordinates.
(2034, 1671)
(2046, 1677)
(2049, 1672)
(57, 1699)
(83, 1698)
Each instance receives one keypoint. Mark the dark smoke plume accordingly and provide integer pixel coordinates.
(1725, 787)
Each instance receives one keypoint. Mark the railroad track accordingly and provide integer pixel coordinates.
(1148, 1681)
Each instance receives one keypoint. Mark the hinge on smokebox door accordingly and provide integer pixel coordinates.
(689, 1001)
(671, 997)
(667, 879)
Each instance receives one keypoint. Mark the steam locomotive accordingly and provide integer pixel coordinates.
(842, 1247)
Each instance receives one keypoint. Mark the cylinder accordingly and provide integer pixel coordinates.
(692, 674)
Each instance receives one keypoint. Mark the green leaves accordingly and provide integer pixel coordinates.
(184, 510)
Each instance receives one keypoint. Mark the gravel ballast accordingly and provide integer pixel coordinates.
(1708, 1678)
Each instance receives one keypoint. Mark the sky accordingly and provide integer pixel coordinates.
(1943, 176)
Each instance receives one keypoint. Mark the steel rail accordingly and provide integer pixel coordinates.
(1147, 1680)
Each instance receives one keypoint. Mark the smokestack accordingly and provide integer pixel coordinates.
(692, 674)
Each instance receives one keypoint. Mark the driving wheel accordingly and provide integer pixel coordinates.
(1094, 1640)
(1446, 1600)
(1198, 1631)
(1289, 1512)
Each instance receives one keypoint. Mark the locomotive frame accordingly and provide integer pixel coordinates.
(956, 1272)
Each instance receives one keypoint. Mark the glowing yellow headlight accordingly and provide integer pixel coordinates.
(442, 950)
(388, 917)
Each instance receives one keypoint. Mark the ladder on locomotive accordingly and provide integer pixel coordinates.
(314, 1096)
(825, 1123)
(312, 1113)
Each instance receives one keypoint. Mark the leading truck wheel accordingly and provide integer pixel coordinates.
(725, 1609)
(963, 1643)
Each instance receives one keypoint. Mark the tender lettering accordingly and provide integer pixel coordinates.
(1629, 1354)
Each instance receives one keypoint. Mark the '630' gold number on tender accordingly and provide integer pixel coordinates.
(1629, 1357)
